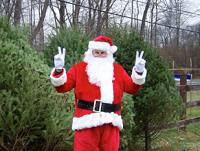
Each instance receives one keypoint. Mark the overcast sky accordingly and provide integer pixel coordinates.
(194, 6)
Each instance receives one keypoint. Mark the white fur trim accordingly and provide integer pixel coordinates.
(104, 46)
(138, 79)
(106, 80)
(107, 91)
(97, 119)
(58, 81)
(113, 49)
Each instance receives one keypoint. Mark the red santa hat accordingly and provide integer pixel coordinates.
(102, 43)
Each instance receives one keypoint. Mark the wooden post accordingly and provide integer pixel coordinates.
(183, 81)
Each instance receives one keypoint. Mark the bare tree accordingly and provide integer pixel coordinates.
(76, 13)
(123, 11)
(7, 7)
(178, 22)
(56, 20)
(102, 14)
(137, 15)
(62, 13)
(106, 14)
(91, 16)
(99, 17)
(17, 13)
(173, 17)
(153, 22)
(156, 20)
(41, 20)
(144, 18)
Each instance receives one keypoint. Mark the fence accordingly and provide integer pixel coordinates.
(183, 89)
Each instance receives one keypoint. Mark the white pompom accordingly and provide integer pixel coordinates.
(113, 49)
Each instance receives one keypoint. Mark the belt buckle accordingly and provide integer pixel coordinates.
(100, 105)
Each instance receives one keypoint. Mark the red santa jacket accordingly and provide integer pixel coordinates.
(77, 78)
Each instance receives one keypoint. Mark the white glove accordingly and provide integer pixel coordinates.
(59, 59)
(139, 62)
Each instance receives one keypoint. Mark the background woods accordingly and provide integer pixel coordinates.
(164, 24)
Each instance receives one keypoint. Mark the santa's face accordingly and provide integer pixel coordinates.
(100, 66)
(99, 53)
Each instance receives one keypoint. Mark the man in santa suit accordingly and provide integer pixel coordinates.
(99, 85)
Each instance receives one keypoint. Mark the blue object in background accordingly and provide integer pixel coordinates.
(177, 77)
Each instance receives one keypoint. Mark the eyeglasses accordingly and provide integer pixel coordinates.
(99, 53)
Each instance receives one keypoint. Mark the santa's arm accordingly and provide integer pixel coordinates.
(131, 86)
(59, 78)
(63, 82)
(138, 76)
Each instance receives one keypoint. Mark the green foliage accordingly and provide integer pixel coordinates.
(73, 40)
(7, 31)
(158, 101)
(32, 115)
(128, 122)
(128, 42)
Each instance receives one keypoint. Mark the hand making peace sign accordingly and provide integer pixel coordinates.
(139, 62)
(59, 59)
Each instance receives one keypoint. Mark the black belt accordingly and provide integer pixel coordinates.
(98, 106)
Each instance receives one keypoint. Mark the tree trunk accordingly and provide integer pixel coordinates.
(89, 21)
(121, 20)
(144, 18)
(106, 15)
(147, 138)
(132, 14)
(17, 13)
(41, 20)
(9, 8)
(152, 17)
(156, 20)
(199, 34)
(178, 18)
(62, 14)
(99, 18)
(92, 14)
(76, 13)
(54, 14)
(41, 36)
(138, 12)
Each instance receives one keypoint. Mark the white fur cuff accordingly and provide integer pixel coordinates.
(138, 79)
(58, 81)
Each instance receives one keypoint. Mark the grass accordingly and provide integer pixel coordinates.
(175, 140)
(191, 97)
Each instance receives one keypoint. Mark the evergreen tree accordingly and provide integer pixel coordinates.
(158, 102)
(33, 116)
(75, 42)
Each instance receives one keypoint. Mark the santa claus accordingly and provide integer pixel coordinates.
(98, 85)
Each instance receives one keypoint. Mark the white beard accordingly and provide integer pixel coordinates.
(100, 72)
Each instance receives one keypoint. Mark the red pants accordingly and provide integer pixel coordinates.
(101, 138)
